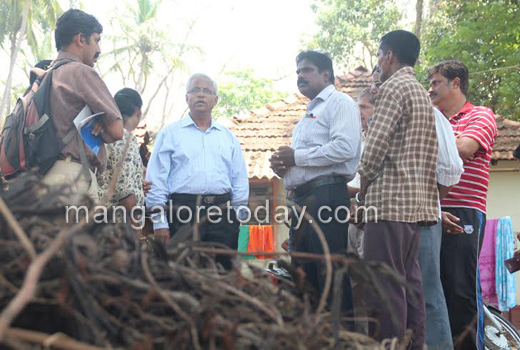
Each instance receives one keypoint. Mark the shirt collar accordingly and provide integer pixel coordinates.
(464, 110)
(322, 96)
(62, 55)
(187, 121)
(325, 93)
(403, 71)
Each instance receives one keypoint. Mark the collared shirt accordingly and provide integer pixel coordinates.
(75, 85)
(186, 159)
(479, 124)
(130, 181)
(449, 164)
(400, 155)
(326, 140)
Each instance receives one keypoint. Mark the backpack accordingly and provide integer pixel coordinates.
(28, 138)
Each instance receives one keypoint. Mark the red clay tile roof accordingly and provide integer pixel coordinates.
(353, 82)
(264, 130)
(508, 139)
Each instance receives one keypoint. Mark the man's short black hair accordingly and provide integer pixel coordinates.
(451, 69)
(321, 60)
(405, 46)
(44, 64)
(73, 22)
(128, 100)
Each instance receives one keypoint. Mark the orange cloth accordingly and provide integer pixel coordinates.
(261, 240)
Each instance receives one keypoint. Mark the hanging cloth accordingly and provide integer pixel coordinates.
(261, 240)
(487, 263)
(267, 239)
(505, 281)
(243, 241)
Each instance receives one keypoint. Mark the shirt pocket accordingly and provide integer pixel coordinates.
(222, 154)
(315, 131)
(184, 159)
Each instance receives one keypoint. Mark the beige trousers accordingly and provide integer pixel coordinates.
(68, 172)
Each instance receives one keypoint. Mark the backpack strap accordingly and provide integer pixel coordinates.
(66, 140)
(43, 107)
(42, 96)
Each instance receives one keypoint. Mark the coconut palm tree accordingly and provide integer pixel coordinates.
(142, 49)
(21, 21)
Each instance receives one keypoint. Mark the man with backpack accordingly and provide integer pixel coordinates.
(75, 84)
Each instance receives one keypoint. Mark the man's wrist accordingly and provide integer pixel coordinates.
(359, 199)
(242, 212)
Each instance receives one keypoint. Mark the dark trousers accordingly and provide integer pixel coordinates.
(305, 239)
(397, 245)
(225, 232)
(459, 271)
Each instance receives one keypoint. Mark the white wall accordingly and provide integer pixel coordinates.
(504, 192)
(504, 200)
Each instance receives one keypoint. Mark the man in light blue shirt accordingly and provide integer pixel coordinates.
(197, 156)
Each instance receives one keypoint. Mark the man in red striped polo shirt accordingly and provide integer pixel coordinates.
(464, 208)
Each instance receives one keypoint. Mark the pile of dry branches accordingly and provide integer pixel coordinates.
(91, 286)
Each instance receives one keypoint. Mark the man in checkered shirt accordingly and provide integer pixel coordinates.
(398, 178)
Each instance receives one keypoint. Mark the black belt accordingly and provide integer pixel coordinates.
(205, 199)
(319, 182)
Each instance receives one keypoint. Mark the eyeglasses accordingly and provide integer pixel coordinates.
(205, 91)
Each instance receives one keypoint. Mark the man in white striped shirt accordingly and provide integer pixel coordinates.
(323, 156)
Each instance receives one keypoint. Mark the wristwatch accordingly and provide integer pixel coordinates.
(359, 202)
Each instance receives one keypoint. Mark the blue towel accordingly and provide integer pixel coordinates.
(505, 281)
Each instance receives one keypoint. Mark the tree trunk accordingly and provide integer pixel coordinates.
(142, 67)
(418, 17)
(15, 48)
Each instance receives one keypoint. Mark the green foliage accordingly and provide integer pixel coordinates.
(141, 48)
(41, 19)
(485, 35)
(241, 92)
(350, 29)
(138, 41)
